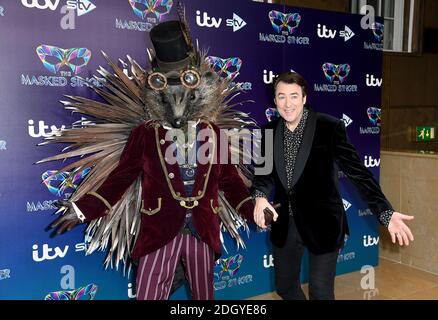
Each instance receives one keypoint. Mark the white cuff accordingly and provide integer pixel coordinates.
(78, 212)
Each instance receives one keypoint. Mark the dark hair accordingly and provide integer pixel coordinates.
(291, 78)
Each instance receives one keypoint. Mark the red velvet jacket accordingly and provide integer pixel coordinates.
(162, 216)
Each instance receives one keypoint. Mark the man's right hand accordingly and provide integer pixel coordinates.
(259, 215)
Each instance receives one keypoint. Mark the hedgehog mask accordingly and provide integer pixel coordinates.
(180, 87)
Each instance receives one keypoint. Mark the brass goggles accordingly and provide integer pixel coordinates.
(189, 78)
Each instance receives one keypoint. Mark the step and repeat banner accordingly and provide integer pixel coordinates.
(51, 48)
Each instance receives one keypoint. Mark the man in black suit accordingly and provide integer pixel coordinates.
(309, 147)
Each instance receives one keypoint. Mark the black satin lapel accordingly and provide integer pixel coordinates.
(280, 166)
(306, 146)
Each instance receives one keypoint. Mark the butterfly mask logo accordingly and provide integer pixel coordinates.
(89, 290)
(335, 73)
(159, 8)
(284, 21)
(378, 31)
(374, 115)
(229, 266)
(53, 58)
(272, 114)
(59, 182)
(227, 68)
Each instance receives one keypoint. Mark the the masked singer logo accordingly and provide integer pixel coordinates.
(229, 266)
(159, 8)
(64, 66)
(288, 22)
(378, 31)
(343, 255)
(227, 68)
(374, 115)
(271, 114)
(284, 24)
(89, 290)
(344, 245)
(336, 73)
(227, 269)
(59, 182)
(53, 58)
(150, 11)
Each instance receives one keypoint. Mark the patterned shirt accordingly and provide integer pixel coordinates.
(292, 143)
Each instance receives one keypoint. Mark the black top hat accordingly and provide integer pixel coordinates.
(172, 53)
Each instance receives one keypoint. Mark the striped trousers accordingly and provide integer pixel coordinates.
(156, 270)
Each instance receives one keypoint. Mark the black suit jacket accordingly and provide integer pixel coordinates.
(315, 198)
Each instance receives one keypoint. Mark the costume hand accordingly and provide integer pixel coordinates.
(399, 230)
(66, 221)
(259, 215)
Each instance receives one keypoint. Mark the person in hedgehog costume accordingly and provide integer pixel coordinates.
(146, 198)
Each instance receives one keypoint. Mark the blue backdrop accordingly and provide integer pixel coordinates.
(340, 60)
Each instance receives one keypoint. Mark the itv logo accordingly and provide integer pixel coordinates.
(47, 253)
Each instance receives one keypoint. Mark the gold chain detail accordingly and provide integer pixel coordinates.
(183, 200)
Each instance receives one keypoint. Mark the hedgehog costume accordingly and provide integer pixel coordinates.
(140, 204)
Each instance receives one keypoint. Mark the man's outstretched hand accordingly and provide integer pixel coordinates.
(398, 230)
(66, 221)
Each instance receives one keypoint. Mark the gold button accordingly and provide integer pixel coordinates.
(171, 175)
(205, 175)
(199, 192)
(178, 194)
(162, 141)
